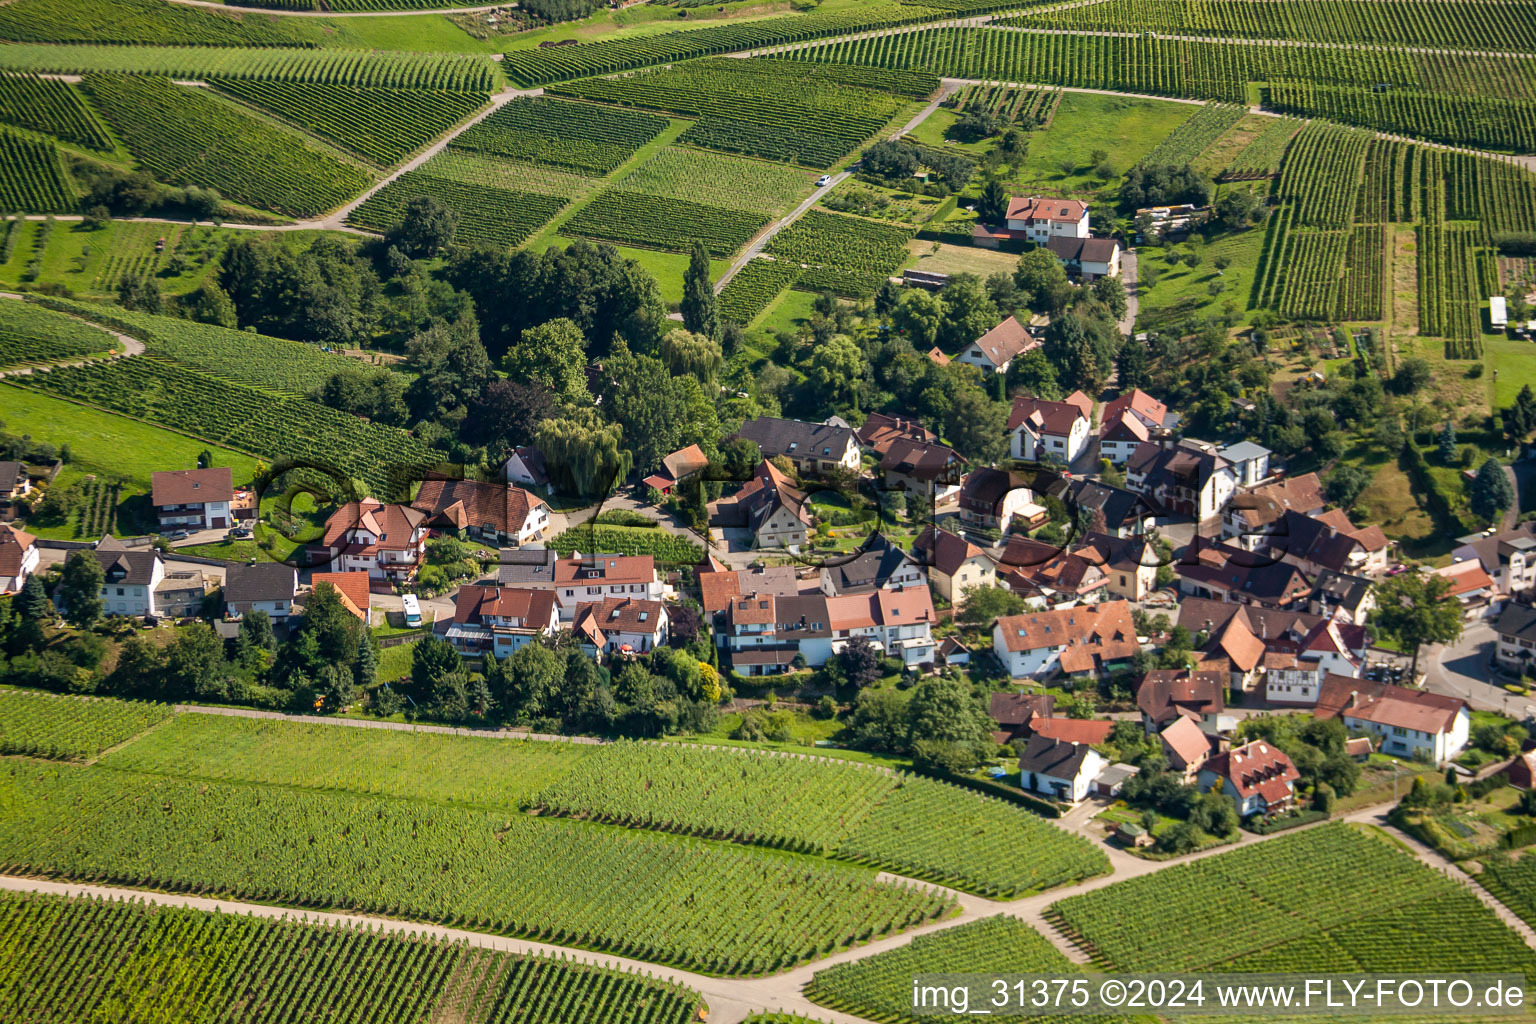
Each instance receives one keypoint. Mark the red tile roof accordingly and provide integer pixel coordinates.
(1047, 417)
(605, 569)
(1103, 631)
(392, 524)
(1068, 211)
(1073, 730)
(192, 486)
(352, 586)
(1256, 769)
(1385, 704)
(474, 604)
(1185, 738)
(1005, 341)
(14, 544)
(475, 503)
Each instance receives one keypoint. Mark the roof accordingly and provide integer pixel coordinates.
(919, 460)
(1074, 730)
(1237, 643)
(1386, 704)
(1017, 709)
(605, 569)
(937, 356)
(1119, 507)
(11, 473)
(1058, 759)
(943, 550)
(1083, 250)
(531, 608)
(1045, 417)
(264, 581)
(192, 486)
(1068, 211)
(1517, 620)
(1268, 624)
(870, 569)
(1048, 566)
(985, 488)
(1005, 341)
(1225, 567)
(1102, 631)
(681, 464)
(1466, 577)
(527, 566)
(620, 615)
(393, 525)
(796, 438)
(717, 589)
(1123, 426)
(133, 567)
(14, 545)
(1185, 738)
(879, 430)
(1256, 769)
(1147, 409)
(533, 462)
(1168, 693)
(353, 588)
(1264, 504)
(1244, 451)
(476, 503)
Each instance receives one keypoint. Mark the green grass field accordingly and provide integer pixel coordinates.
(1124, 127)
(1178, 284)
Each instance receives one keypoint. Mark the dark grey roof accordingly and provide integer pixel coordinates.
(1056, 758)
(1121, 508)
(795, 438)
(1517, 620)
(1340, 589)
(1077, 250)
(264, 581)
(527, 566)
(869, 571)
(128, 568)
(10, 473)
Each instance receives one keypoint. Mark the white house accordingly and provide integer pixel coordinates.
(525, 467)
(261, 587)
(1058, 769)
(620, 625)
(1041, 431)
(765, 632)
(1187, 478)
(1039, 219)
(1087, 258)
(1405, 722)
(996, 350)
(131, 576)
(385, 541)
(954, 564)
(1516, 629)
(1249, 461)
(591, 579)
(1257, 776)
(493, 512)
(1070, 640)
(499, 620)
(19, 557)
(195, 499)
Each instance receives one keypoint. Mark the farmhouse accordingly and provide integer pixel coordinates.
(19, 557)
(812, 447)
(384, 541)
(493, 512)
(1058, 769)
(1042, 431)
(1066, 640)
(197, 499)
(1040, 219)
(996, 350)
(1260, 778)
(1406, 722)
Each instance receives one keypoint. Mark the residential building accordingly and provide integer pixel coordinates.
(1236, 650)
(527, 567)
(620, 625)
(1042, 431)
(180, 594)
(1249, 461)
(1014, 714)
(1343, 596)
(1050, 576)
(996, 350)
(995, 499)
(1257, 776)
(498, 620)
(1185, 746)
(495, 513)
(764, 633)
(1129, 563)
(682, 465)
(1066, 640)
(1229, 573)
(929, 473)
(717, 589)
(1060, 770)
(131, 578)
(1516, 630)
(1507, 556)
(770, 507)
(812, 447)
(954, 564)
(194, 499)
(1112, 510)
(384, 541)
(1166, 694)
(355, 590)
(1087, 258)
(19, 558)
(1184, 478)
(1039, 218)
(1326, 542)
(1405, 722)
(880, 566)
(1130, 419)
(526, 468)
(1085, 731)
(1250, 514)
(879, 430)
(592, 579)
(1472, 588)
(14, 483)
(261, 586)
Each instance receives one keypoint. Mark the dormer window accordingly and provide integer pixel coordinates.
(644, 616)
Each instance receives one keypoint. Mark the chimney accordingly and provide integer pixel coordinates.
(1354, 696)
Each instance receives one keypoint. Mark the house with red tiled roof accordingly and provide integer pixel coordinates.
(19, 558)
(1045, 573)
(1067, 640)
(583, 579)
(1259, 777)
(384, 541)
(498, 620)
(1227, 573)
(1235, 649)
(1014, 713)
(1186, 746)
(1086, 731)
(1472, 588)
(620, 625)
(352, 588)
(682, 465)
(1042, 431)
(1251, 513)
(718, 589)
(1405, 722)
(879, 430)
(1167, 693)
(996, 350)
(497, 513)
(1130, 419)
(1041, 218)
(765, 632)
(954, 564)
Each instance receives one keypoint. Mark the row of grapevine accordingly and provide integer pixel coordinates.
(158, 391)
(846, 255)
(754, 287)
(185, 136)
(381, 125)
(718, 180)
(1009, 102)
(1450, 299)
(32, 335)
(514, 175)
(655, 222)
(789, 145)
(581, 136)
(1363, 294)
(145, 21)
(32, 176)
(77, 959)
(50, 106)
(1261, 157)
(368, 68)
(488, 215)
(1194, 135)
(704, 906)
(70, 728)
(1485, 121)
(667, 548)
(97, 514)
(382, 6)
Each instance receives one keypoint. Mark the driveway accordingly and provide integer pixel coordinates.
(1461, 670)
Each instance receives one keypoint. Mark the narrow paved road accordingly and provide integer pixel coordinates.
(244, 9)
(757, 244)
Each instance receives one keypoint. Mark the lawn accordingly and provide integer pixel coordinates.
(789, 312)
(1177, 283)
(1126, 128)
(934, 131)
(395, 662)
(421, 33)
(943, 258)
(1515, 364)
(112, 445)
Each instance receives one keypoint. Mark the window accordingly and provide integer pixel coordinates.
(119, 591)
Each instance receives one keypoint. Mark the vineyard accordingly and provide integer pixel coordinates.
(655, 222)
(488, 215)
(716, 180)
(667, 548)
(186, 137)
(381, 125)
(846, 255)
(1363, 291)
(70, 728)
(50, 106)
(575, 135)
(755, 285)
(1450, 297)
(1194, 135)
(1385, 912)
(1512, 883)
(707, 907)
(1260, 158)
(370, 69)
(159, 391)
(495, 172)
(144, 21)
(255, 360)
(83, 959)
(880, 987)
(1009, 102)
(32, 335)
(32, 178)
(97, 514)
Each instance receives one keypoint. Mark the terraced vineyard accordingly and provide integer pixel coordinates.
(186, 137)
(50, 106)
(735, 911)
(1385, 912)
(846, 255)
(1260, 158)
(580, 136)
(716, 180)
(381, 125)
(70, 728)
(371, 69)
(755, 286)
(488, 215)
(655, 222)
(1009, 102)
(1450, 295)
(144, 21)
(32, 178)
(82, 959)
(29, 334)
(159, 391)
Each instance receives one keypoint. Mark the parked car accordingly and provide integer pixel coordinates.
(824, 181)
(239, 532)
(177, 535)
